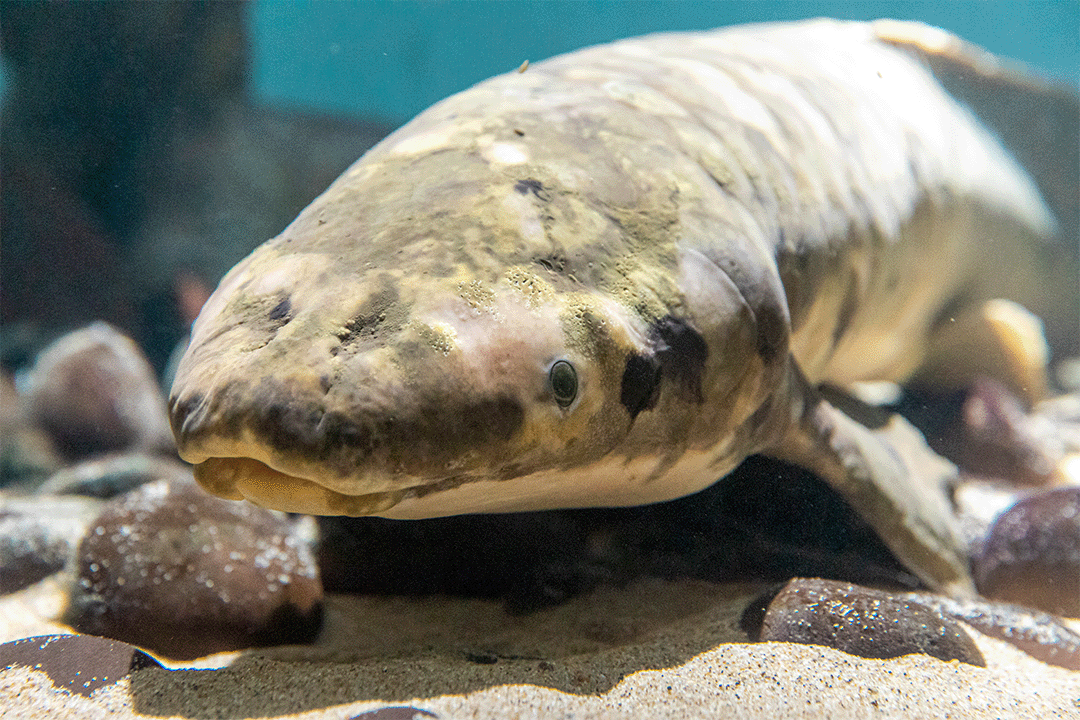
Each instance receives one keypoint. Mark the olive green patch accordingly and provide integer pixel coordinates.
(441, 337)
(263, 316)
(478, 295)
(585, 328)
(534, 288)
(382, 312)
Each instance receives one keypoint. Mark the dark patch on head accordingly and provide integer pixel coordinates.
(555, 262)
(772, 332)
(180, 409)
(534, 186)
(380, 312)
(220, 413)
(682, 353)
(267, 314)
(282, 311)
(640, 384)
(848, 306)
(429, 434)
(951, 309)
(286, 423)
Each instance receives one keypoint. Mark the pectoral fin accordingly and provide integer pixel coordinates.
(888, 474)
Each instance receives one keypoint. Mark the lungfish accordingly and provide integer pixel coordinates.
(607, 279)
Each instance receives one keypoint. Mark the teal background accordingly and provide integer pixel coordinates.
(390, 60)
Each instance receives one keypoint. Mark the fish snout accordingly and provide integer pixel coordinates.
(351, 442)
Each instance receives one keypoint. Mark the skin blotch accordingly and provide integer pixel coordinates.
(477, 295)
(535, 289)
(555, 262)
(281, 311)
(534, 186)
(380, 313)
(265, 315)
(640, 384)
(441, 337)
(772, 332)
(848, 307)
(183, 407)
(585, 328)
(682, 352)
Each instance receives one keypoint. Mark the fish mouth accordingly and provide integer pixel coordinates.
(242, 478)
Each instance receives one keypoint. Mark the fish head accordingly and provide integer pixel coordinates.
(423, 342)
(358, 392)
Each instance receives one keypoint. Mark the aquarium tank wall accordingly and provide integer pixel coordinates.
(145, 148)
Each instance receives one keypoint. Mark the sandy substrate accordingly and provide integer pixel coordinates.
(656, 649)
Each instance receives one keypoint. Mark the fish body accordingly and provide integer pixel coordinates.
(608, 279)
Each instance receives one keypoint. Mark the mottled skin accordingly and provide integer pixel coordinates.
(705, 226)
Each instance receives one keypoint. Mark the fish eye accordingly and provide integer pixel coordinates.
(563, 380)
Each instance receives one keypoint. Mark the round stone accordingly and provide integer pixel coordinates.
(185, 574)
(863, 621)
(1032, 554)
(94, 392)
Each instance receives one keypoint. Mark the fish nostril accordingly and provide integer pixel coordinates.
(181, 413)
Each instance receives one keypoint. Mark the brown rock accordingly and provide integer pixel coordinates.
(93, 392)
(77, 663)
(1038, 634)
(38, 537)
(1032, 554)
(185, 574)
(864, 622)
(27, 455)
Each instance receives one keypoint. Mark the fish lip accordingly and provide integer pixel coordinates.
(244, 478)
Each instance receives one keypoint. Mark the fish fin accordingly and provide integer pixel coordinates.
(1037, 120)
(886, 472)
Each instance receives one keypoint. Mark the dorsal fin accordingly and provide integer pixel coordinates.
(1037, 120)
